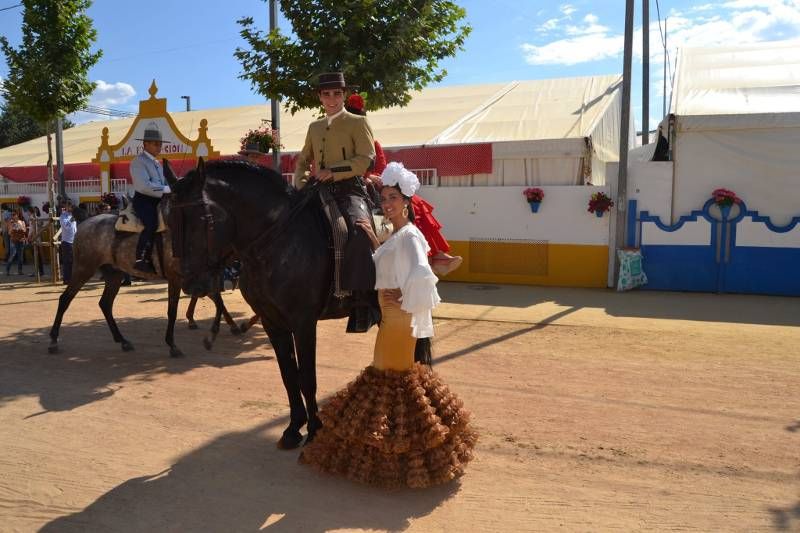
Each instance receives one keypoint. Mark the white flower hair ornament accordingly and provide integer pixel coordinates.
(395, 174)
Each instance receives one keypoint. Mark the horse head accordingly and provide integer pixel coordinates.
(201, 233)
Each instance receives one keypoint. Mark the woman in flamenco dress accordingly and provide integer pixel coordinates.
(397, 424)
(441, 261)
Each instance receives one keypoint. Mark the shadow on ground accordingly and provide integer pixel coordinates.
(703, 307)
(90, 365)
(241, 482)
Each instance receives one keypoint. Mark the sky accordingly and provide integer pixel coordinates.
(187, 47)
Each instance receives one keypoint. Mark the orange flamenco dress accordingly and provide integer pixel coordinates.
(397, 424)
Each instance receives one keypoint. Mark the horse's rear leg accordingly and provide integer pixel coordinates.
(283, 344)
(79, 278)
(190, 313)
(113, 279)
(219, 310)
(174, 291)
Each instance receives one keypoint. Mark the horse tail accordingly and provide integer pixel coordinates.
(422, 352)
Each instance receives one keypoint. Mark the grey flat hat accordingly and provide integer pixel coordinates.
(152, 134)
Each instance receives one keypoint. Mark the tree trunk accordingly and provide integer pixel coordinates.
(53, 207)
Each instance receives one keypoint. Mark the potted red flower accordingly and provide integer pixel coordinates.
(725, 200)
(23, 201)
(264, 137)
(599, 203)
(534, 196)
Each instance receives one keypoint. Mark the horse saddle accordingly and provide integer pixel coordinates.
(128, 221)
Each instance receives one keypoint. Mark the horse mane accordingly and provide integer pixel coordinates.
(238, 172)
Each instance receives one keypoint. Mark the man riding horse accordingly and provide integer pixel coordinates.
(148, 182)
(341, 148)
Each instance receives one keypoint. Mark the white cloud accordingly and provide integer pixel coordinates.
(576, 50)
(112, 94)
(729, 23)
(549, 25)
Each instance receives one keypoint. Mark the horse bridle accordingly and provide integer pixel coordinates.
(207, 217)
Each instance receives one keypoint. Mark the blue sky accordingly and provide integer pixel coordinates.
(188, 46)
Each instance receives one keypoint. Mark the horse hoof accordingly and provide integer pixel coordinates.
(207, 344)
(290, 440)
(174, 351)
(127, 346)
(192, 325)
(53, 348)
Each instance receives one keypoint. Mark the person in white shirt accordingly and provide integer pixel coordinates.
(68, 229)
(148, 182)
(397, 424)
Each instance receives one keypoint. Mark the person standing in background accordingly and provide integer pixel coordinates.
(68, 229)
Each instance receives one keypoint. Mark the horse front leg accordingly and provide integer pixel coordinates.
(283, 345)
(306, 341)
(113, 280)
(174, 291)
(79, 277)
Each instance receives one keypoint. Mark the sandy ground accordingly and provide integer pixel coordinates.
(597, 412)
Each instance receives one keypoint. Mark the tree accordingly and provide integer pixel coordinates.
(17, 127)
(47, 73)
(386, 47)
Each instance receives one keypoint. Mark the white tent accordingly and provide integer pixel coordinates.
(736, 124)
(550, 132)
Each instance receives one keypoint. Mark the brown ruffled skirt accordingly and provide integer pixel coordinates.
(393, 429)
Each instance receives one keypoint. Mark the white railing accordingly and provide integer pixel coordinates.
(119, 186)
(36, 187)
(427, 176)
(84, 185)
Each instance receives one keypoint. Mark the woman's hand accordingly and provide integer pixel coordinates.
(392, 297)
(365, 225)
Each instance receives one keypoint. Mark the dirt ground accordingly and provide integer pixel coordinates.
(597, 412)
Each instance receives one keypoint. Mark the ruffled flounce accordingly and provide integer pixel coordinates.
(394, 429)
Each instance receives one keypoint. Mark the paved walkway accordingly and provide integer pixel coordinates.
(637, 309)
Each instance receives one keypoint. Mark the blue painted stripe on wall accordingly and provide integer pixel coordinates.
(680, 268)
(630, 238)
(755, 269)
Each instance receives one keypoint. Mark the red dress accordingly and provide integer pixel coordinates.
(423, 211)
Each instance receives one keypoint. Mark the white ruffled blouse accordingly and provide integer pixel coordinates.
(402, 262)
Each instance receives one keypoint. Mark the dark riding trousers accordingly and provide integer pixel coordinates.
(358, 269)
(146, 208)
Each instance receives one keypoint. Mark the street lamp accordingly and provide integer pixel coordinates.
(188, 102)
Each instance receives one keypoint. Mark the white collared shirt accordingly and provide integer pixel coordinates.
(332, 117)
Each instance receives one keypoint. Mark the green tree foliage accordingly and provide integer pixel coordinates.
(386, 47)
(17, 127)
(47, 73)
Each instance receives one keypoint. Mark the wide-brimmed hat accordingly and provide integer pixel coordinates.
(151, 133)
(333, 80)
(251, 149)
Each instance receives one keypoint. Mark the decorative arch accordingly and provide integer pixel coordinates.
(152, 111)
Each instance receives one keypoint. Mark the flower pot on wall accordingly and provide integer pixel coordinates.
(725, 210)
(598, 214)
(534, 206)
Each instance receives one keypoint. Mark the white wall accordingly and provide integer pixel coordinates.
(750, 233)
(761, 166)
(650, 184)
(502, 212)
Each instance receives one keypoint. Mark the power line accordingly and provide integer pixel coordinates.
(95, 109)
(9, 7)
(664, 46)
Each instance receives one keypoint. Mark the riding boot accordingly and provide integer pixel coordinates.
(144, 263)
(364, 313)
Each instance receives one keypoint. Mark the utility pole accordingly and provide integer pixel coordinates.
(664, 103)
(645, 72)
(622, 179)
(274, 102)
(188, 102)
